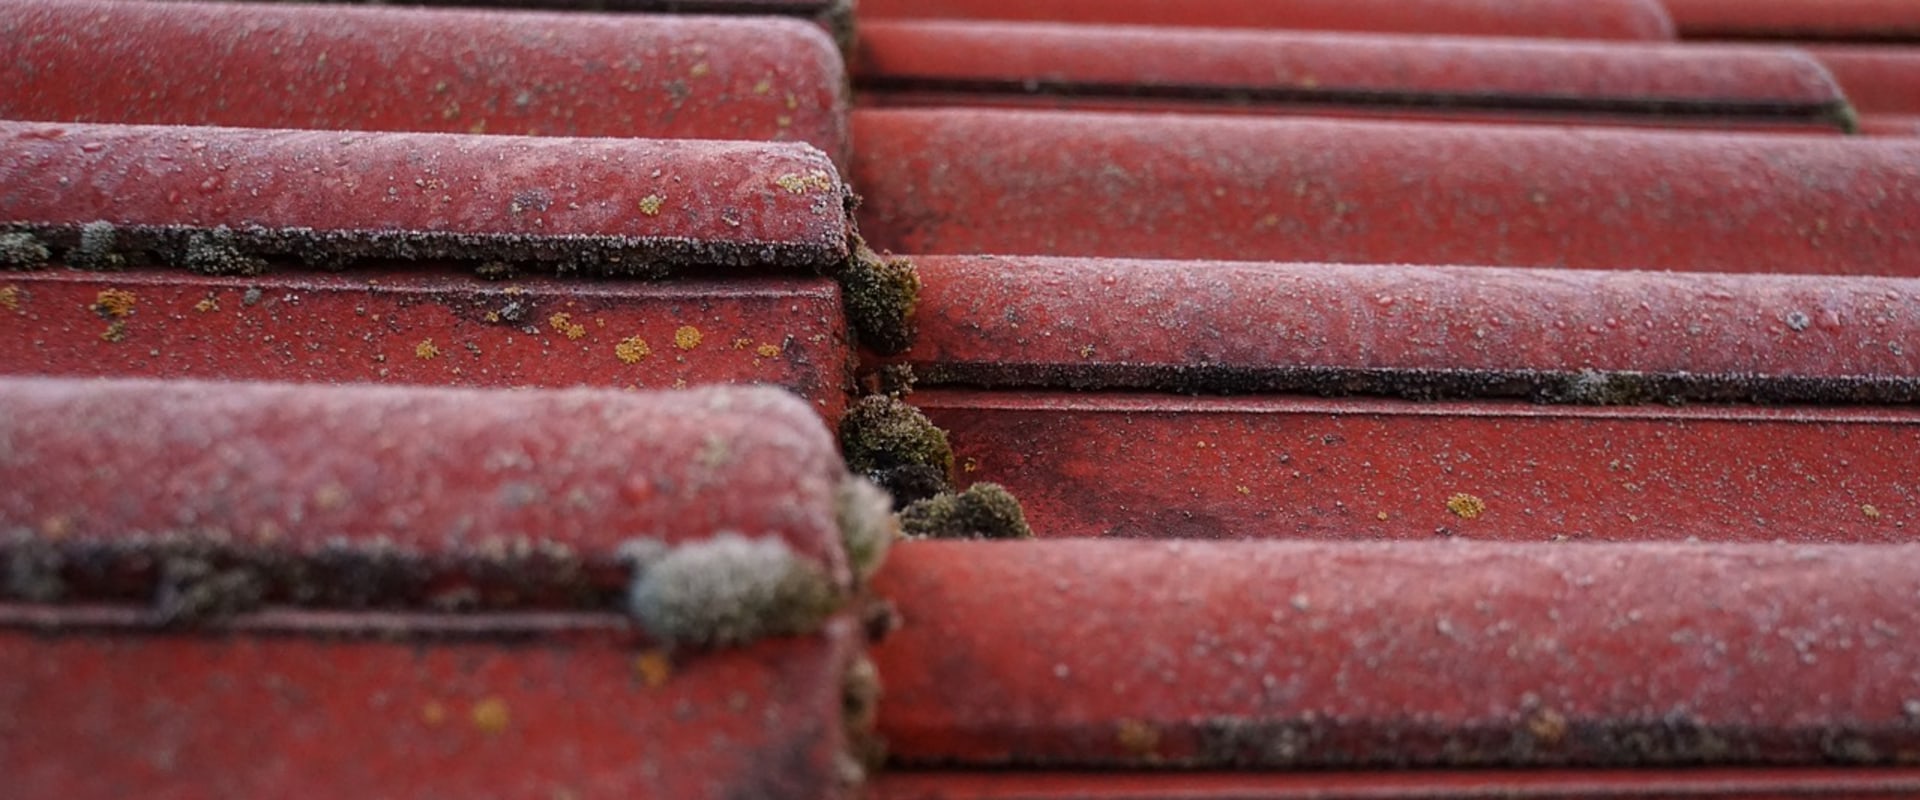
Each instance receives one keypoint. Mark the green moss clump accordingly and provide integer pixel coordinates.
(896, 380)
(20, 250)
(983, 511)
(894, 444)
(880, 295)
(216, 252)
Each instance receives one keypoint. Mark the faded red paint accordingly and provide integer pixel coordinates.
(805, 7)
(552, 713)
(427, 328)
(1580, 19)
(467, 483)
(1300, 655)
(1890, 124)
(1030, 183)
(970, 63)
(1198, 326)
(1693, 784)
(393, 69)
(1795, 19)
(1879, 80)
(1162, 466)
(719, 205)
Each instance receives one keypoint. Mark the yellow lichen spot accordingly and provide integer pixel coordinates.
(1138, 738)
(768, 350)
(426, 350)
(742, 344)
(1547, 725)
(764, 86)
(679, 383)
(492, 316)
(783, 121)
(650, 205)
(699, 70)
(687, 337)
(970, 465)
(562, 322)
(654, 668)
(10, 298)
(1243, 490)
(116, 331)
(1870, 512)
(632, 349)
(207, 305)
(799, 184)
(433, 713)
(490, 715)
(1086, 351)
(116, 303)
(331, 497)
(1466, 506)
(56, 527)
(1382, 516)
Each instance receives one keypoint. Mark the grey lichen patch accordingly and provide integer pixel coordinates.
(194, 591)
(728, 591)
(983, 511)
(880, 295)
(867, 525)
(1595, 388)
(21, 250)
(894, 444)
(98, 248)
(216, 252)
(32, 570)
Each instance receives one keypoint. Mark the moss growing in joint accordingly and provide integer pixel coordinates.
(20, 250)
(880, 295)
(860, 693)
(983, 511)
(193, 590)
(216, 252)
(867, 526)
(895, 380)
(893, 443)
(729, 590)
(32, 570)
